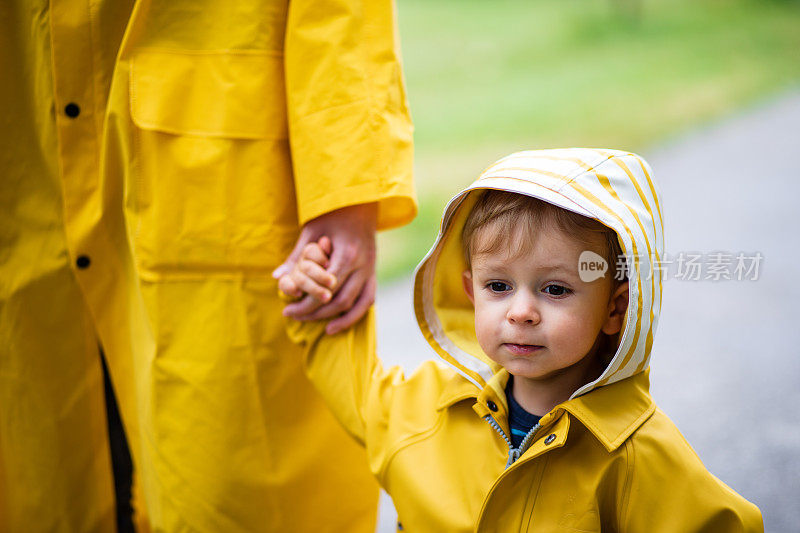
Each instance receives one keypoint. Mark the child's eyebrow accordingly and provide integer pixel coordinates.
(557, 267)
(561, 268)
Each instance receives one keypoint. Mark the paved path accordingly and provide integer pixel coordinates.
(726, 361)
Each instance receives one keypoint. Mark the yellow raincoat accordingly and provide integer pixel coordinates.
(159, 159)
(66, 282)
(607, 459)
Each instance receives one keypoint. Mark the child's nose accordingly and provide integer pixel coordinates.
(523, 310)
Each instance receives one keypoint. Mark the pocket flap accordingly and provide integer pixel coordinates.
(238, 94)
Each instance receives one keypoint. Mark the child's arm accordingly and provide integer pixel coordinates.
(380, 408)
(669, 489)
(340, 366)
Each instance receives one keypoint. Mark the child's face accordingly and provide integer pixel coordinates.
(534, 315)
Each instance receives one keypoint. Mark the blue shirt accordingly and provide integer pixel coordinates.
(519, 420)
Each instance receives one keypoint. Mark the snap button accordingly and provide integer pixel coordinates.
(83, 261)
(399, 526)
(550, 438)
(72, 110)
(492, 406)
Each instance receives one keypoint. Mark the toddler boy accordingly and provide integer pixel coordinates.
(541, 419)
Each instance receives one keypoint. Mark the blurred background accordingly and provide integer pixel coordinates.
(486, 78)
(709, 92)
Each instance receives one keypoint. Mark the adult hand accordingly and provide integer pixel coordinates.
(352, 262)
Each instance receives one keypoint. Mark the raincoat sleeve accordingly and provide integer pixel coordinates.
(345, 370)
(349, 127)
(670, 490)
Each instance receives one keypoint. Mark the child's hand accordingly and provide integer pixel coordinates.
(308, 276)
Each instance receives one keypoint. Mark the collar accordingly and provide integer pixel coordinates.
(457, 389)
(613, 412)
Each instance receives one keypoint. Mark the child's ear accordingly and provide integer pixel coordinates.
(617, 306)
(466, 279)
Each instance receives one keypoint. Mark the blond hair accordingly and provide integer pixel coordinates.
(503, 212)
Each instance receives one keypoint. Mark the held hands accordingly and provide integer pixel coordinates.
(309, 277)
(336, 280)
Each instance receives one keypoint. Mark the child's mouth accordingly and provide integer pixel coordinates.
(522, 349)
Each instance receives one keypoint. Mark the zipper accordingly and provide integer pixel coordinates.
(513, 453)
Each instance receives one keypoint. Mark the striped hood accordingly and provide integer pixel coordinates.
(613, 187)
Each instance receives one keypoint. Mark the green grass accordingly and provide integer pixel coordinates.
(488, 77)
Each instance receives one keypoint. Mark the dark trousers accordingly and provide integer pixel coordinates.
(121, 463)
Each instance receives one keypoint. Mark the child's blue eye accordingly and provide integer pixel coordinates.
(556, 290)
(498, 286)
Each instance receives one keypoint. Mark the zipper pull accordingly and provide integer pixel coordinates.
(513, 455)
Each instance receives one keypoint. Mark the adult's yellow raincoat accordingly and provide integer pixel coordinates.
(607, 459)
(158, 160)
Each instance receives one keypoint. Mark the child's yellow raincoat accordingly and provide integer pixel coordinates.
(608, 459)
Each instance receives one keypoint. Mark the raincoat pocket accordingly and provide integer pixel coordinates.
(211, 191)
